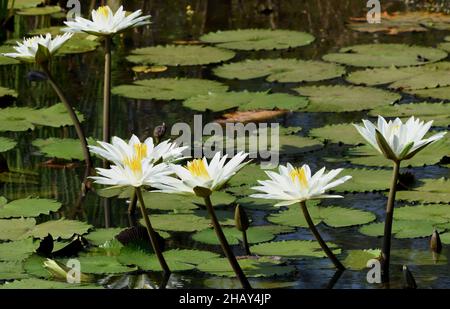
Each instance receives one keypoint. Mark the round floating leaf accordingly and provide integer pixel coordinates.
(33, 283)
(258, 39)
(29, 207)
(365, 180)
(252, 267)
(245, 100)
(17, 250)
(331, 216)
(78, 45)
(178, 260)
(256, 203)
(432, 191)
(338, 133)
(386, 55)
(6, 60)
(445, 46)
(438, 112)
(97, 264)
(436, 213)
(392, 24)
(38, 11)
(11, 270)
(345, 98)
(255, 234)
(367, 155)
(402, 228)
(6, 92)
(13, 229)
(34, 266)
(357, 259)
(181, 203)
(445, 238)
(280, 70)
(7, 144)
(420, 77)
(100, 236)
(23, 4)
(61, 148)
(63, 228)
(54, 30)
(169, 88)
(293, 249)
(442, 93)
(174, 55)
(233, 283)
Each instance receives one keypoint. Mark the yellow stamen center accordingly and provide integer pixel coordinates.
(299, 173)
(103, 10)
(135, 164)
(141, 150)
(197, 168)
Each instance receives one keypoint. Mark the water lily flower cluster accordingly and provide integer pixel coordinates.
(105, 22)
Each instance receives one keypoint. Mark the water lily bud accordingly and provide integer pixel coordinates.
(42, 55)
(241, 219)
(36, 76)
(202, 192)
(410, 282)
(435, 242)
(160, 131)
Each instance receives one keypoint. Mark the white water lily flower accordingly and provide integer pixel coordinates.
(397, 140)
(105, 23)
(135, 172)
(200, 173)
(119, 150)
(292, 185)
(28, 48)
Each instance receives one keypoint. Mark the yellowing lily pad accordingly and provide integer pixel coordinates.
(258, 39)
(386, 55)
(345, 98)
(179, 55)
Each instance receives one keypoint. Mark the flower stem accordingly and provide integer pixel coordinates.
(246, 245)
(386, 252)
(107, 94)
(73, 116)
(225, 246)
(322, 243)
(152, 233)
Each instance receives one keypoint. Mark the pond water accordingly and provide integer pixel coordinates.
(81, 76)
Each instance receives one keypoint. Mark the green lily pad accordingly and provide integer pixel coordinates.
(13, 229)
(432, 191)
(29, 207)
(17, 250)
(433, 213)
(54, 30)
(23, 4)
(7, 60)
(345, 98)
(445, 46)
(255, 234)
(357, 259)
(365, 180)
(417, 257)
(180, 203)
(302, 249)
(338, 133)
(367, 155)
(331, 216)
(280, 70)
(97, 264)
(168, 88)
(438, 112)
(177, 259)
(442, 93)
(38, 11)
(61, 148)
(233, 283)
(256, 203)
(62, 228)
(11, 270)
(445, 238)
(252, 267)
(100, 236)
(7, 144)
(258, 39)
(402, 228)
(4, 92)
(34, 266)
(244, 101)
(421, 77)
(386, 55)
(78, 45)
(33, 283)
(174, 55)
(25, 118)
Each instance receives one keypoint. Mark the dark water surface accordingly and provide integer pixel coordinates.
(82, 77)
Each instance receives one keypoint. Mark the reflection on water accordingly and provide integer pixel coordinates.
(82, 77)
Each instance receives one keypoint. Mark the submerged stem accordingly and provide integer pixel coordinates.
(319, 238)
(73, 116)
(152, 233)
(386, 251)
(225, 246)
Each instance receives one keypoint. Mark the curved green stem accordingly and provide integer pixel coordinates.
(386, 251)
(152, 233)
(225, 246)
(319, 238)
(72, 114)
